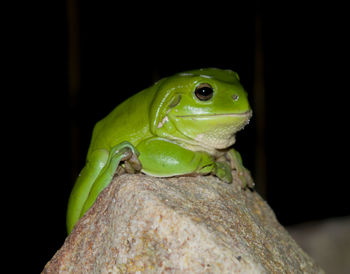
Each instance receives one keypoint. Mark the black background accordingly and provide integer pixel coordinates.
(125, 49)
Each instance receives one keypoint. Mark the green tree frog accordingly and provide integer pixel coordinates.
(183, 124)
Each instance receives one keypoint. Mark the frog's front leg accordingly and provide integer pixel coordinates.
(163, 158)
(239, 171)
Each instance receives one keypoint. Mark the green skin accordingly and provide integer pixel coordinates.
(167, 130)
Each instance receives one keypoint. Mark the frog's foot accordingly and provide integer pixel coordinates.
(240, 173)
(129, 160)
(223, 172)
(133, 164)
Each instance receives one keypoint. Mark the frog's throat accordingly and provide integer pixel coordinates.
(213, 140)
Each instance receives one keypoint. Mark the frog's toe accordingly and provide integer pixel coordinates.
(244, 177)
(223, 172)
(248, 178)
(135, 162)
(131, 162)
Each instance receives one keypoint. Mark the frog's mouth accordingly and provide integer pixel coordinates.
(212, 115)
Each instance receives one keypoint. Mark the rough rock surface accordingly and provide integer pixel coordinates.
(142, 224)
(327, 241)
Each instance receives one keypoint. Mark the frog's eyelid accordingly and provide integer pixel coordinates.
(186, 74)
(190, 74)
(206, 76)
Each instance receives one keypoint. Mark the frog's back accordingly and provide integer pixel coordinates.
(129, 121)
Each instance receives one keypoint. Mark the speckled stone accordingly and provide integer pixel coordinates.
(142, 224)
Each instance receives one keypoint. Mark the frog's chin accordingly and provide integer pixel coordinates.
(214, 131)
(215, 142)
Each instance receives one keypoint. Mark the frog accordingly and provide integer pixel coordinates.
(182, 125)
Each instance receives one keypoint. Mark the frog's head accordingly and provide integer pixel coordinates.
(205, 107)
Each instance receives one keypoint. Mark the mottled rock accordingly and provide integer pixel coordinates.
(179, 225)
(327, 241)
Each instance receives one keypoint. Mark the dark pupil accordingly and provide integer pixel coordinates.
(204, 93)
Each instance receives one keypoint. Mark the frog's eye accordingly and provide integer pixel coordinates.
(204, 92)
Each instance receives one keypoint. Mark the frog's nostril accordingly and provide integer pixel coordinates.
(235, 97)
